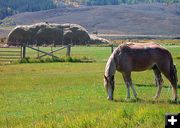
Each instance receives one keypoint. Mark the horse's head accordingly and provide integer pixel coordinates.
(109, 85)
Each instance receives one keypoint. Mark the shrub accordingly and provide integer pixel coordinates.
(25, 60)
(50, 60)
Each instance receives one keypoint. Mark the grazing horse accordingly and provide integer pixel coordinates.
(130, 57)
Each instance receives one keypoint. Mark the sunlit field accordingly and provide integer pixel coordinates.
(71, 95)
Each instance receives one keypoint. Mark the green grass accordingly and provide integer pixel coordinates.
(71, 95)
(96, 53)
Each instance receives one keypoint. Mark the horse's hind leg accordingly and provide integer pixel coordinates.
(128, 82)
(134, 91)
(158, 80)
(158, 76)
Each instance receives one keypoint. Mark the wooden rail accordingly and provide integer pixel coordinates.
(46, 53)
(68, 52)
(51, 52)
(7, 55)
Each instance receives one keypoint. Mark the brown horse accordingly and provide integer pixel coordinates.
(130, 57)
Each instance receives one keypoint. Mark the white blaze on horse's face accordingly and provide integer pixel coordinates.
(109, 85)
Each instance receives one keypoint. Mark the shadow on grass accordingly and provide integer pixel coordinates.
(153, 101)
(149, 101)
(152, 85)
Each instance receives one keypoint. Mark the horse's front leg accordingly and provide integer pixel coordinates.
(127, 80)
(127, 83)
(127, 90)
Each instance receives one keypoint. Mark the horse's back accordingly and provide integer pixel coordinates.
(140, 46)
(141, 56)
(143, 48)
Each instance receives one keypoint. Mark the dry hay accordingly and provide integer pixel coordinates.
(46, 33)
(98, 40)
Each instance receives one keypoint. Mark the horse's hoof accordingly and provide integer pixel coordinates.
(155, 97)
(110, 98)
(137, 98)
(174, 100)
(127, 98)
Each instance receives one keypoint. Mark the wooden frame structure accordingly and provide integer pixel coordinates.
(17, 53)
(68, 52)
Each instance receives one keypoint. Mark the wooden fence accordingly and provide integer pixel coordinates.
(18, 53)
(10, 54)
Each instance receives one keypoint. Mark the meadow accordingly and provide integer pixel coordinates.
(71, 95)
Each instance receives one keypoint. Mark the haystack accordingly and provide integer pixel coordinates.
(98, 40)
(46, 34)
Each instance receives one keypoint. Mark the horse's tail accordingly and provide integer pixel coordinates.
(173, 73)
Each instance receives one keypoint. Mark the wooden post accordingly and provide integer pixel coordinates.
(112, 48)
(52, 51)
(68, 52)
(23, 51)
(38, 52)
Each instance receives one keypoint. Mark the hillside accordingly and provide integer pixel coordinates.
(11, 7)
(138, 19)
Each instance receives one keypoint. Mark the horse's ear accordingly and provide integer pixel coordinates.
(105, 77)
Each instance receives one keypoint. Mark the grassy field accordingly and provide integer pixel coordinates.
(71, 95)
